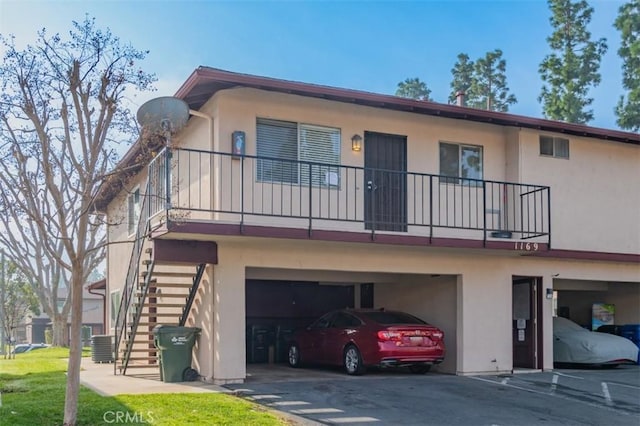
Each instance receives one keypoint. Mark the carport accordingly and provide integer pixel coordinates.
(279, 301)
(574, 299)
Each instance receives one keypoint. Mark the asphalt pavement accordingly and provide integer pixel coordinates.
(599, 397)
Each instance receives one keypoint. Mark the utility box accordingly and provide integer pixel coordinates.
(175, 345)
(101, 348)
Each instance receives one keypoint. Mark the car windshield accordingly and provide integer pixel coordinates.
(387, 318)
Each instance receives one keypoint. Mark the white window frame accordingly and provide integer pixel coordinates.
(115, 297)
(322, 176)
(459, 179)
(132, 219)
(555, 141)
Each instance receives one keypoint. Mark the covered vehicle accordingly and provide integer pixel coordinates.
(573, 344)
(28, 347)
(357, 338)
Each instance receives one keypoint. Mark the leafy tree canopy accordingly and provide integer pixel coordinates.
(628, 23)
(414, 88)
(484, 82)
(573, 66)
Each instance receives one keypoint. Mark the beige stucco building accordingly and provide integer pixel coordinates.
(285, 199)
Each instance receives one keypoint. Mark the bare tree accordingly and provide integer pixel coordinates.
(62, 115)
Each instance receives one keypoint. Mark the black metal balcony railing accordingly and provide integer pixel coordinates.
(317, 195)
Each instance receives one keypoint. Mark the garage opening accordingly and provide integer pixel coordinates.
(595, 304)
(276, 308)
(280, 301)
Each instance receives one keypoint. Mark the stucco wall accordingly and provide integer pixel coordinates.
(592, 207)
(595, 202)
(481, 315)
(120, 243)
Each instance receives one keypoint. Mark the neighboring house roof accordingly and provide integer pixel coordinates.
(204, 82)
(98, 285)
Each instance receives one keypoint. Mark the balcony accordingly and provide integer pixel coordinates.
(188, 187)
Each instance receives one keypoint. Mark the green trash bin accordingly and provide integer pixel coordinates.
(175, 345)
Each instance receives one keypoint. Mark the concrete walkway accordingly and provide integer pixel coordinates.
(100, 379)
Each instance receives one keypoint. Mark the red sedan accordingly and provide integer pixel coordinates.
(357, 338)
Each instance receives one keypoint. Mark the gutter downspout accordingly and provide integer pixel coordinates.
(104, 307)
(215, 195)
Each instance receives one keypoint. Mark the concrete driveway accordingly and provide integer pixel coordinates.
(560, 397)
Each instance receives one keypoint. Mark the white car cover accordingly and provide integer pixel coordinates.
(574, 344)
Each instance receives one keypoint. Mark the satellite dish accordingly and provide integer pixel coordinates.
(163, 115)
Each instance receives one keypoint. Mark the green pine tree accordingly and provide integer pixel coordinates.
(483, 82)
(462, 79)
(413, 88)
(489, 88)
(628, 23)
(573, 66)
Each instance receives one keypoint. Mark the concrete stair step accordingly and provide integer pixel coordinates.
(163, 305)
(164, 295)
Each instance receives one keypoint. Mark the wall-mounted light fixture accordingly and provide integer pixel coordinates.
(549, 293)
(356, 143)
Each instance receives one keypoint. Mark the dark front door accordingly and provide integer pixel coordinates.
(526, 329)
(385, 201)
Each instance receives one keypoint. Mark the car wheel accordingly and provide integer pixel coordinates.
(420, 368)
(353, 364)
(294, 356)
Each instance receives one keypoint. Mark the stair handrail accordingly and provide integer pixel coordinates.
(136, 319)
(142, 230)
(192, 293)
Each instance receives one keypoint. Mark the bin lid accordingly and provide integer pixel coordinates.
(167, 328)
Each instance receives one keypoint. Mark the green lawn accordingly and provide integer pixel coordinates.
(32, 390)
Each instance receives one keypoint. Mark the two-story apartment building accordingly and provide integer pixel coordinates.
(281, 200)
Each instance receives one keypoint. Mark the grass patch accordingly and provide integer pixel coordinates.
(32, 388)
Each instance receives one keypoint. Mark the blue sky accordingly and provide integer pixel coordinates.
(364, 45)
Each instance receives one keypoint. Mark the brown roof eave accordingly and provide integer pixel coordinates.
(403, 104)
(98, 285)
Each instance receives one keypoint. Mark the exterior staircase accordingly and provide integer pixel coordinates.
(162, 278)
(164, 295)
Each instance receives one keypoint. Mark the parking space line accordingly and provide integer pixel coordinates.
(568, 375)
(316, 411)
(552, 395)
(624, 385)
(287, 403)
(607, 395)
(341, 420)
(554, 383)
(260, 397)
(509, 385)
(505, 380)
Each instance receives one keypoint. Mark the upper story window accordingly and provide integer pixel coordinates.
(460, 161)
(133, 210)
(554, 147)
(287, 144)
